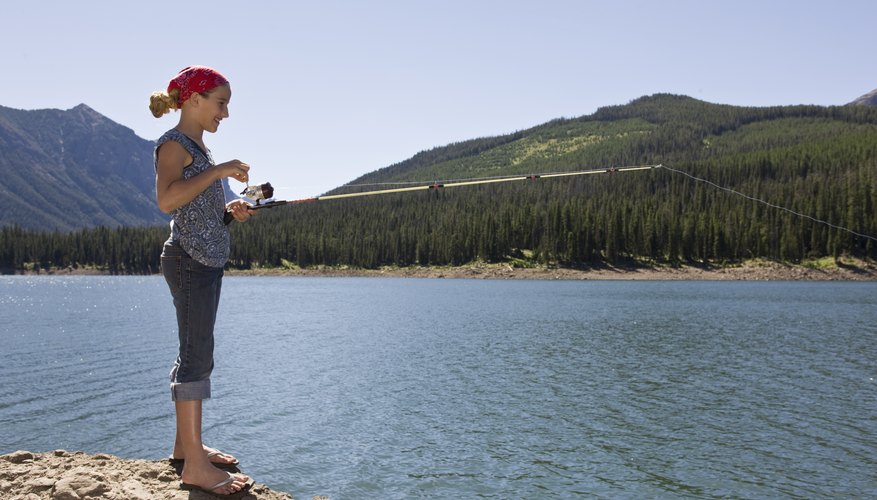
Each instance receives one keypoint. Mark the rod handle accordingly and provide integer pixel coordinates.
(228, 217)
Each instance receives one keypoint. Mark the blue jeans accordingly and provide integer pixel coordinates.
(195, 289)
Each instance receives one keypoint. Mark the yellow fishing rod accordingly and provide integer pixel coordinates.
(263, 193)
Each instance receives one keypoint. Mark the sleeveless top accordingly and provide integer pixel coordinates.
(197, 226)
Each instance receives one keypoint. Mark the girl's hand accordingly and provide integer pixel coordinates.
(235, 169)
(240, 210)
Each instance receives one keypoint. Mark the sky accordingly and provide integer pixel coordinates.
(326, 91)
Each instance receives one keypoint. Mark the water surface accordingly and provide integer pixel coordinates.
(418, 388)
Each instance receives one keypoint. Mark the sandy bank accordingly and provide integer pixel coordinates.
(64, 475)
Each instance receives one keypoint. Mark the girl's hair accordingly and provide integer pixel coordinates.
(190, 80)
(161, 103)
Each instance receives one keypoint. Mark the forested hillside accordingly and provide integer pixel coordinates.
(819, 161)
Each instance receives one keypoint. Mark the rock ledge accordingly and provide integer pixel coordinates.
(66, 475)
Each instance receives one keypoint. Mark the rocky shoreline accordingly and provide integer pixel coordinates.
(749, 271)
(66, 475)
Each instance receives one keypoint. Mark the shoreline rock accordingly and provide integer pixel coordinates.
(72, 475)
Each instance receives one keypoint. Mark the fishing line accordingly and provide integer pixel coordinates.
(769, 204)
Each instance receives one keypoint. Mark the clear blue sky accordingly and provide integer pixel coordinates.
(324, 91)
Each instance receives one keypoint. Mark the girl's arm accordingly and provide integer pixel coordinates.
(173, 191)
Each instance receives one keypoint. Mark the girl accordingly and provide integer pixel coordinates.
(188, 186)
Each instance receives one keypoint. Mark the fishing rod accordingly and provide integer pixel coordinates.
(264, 192)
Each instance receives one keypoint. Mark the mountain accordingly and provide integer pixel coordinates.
(814, 167)
(64, 170)
(869, 99)
(648, 130)
(814, 160)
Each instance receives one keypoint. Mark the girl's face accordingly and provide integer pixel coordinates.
(213, 107)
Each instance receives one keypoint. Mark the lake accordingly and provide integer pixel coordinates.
(428, 388)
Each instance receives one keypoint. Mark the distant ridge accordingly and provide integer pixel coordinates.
(869, 99)
(70, 169)
(75, 168)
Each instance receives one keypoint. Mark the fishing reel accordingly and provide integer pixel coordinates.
(259, 193)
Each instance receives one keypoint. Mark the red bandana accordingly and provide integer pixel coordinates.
(195, 79)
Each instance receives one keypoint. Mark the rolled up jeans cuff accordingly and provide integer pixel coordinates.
(189, 391)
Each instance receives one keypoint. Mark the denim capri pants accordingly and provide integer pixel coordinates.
(195, 289)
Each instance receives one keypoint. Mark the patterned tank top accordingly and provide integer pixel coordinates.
(197, 226)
